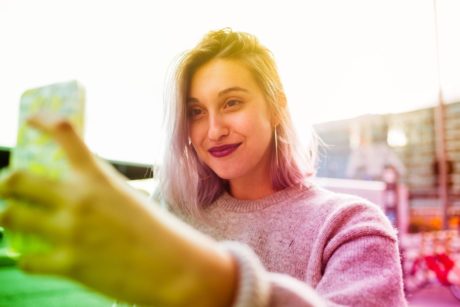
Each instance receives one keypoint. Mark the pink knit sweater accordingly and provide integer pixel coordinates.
(308, 247)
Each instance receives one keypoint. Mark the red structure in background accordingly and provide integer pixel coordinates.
(427, 257)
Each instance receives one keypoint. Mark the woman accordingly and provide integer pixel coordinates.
(234, 171)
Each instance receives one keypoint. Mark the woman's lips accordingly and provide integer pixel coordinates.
(223, 150)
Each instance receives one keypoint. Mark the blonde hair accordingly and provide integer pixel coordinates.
(187, 184)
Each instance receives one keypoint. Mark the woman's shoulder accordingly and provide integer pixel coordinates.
(340, 210)
(351, 212)
(328, 200)
(339, 199)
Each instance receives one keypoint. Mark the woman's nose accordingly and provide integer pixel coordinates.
(217, 127)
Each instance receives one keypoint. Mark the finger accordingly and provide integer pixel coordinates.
(57, 261)
(63, 132)
(24, 185)
(22, 218)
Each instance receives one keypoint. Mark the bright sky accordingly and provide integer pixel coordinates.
(338, 59)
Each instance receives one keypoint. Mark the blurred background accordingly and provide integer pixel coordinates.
(378, 79)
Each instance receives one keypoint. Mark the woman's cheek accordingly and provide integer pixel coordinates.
(197, 133)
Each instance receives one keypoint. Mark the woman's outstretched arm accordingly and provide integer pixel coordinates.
(109, 237)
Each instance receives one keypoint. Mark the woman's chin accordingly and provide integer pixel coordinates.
(227, 174)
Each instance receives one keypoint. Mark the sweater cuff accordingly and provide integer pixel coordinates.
(253, 286)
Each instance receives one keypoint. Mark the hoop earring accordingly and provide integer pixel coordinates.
(276, 146)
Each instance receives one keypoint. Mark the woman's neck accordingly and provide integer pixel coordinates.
(250, 189)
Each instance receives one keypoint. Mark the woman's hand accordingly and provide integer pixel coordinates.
(108, 236)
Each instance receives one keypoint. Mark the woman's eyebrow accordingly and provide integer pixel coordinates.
(191, 100)
(232, 89)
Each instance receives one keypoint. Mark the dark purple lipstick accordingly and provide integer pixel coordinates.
(223, 150)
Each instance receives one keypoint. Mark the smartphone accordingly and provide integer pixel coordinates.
(36, 151)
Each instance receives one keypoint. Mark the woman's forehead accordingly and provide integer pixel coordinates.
(220, 76)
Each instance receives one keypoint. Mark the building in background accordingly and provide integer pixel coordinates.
(405, 141)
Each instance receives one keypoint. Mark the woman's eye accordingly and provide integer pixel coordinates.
(232, 103)
(195, 112)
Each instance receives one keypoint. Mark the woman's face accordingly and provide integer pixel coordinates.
(229, 121)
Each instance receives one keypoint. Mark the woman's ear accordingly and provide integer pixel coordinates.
(275, 121)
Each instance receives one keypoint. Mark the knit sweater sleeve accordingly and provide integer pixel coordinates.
(357, 265)
(260, 288)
